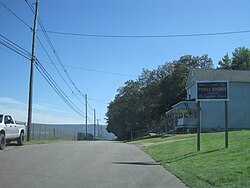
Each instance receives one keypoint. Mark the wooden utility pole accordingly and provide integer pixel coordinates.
(86, 118)
(33, 59)
(98, 128)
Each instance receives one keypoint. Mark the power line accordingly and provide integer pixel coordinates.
(58, 70)
(53, 49)
(98, 100)
(56, 55)
(149, 36)
(90, 107)
(40, 67)
(94, 70)
(16, 16)
(57, 89)
(10, 52)
(39, 42)
(124, 36)
(14, 47)
(24, 53)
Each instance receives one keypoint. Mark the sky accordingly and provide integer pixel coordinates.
(98, 66)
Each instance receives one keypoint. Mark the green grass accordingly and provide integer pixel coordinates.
(159, 139)
(213, 166)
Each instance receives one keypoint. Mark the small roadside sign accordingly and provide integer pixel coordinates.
(212, 91)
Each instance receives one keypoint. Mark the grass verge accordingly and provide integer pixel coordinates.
(214, 166)
(159, 139)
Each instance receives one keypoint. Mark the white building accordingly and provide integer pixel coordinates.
(183, 115)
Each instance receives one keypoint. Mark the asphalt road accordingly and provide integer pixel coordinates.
(82, 164)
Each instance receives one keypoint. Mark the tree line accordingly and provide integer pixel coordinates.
(141, 104)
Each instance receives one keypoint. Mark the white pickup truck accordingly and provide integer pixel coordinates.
(10, 131)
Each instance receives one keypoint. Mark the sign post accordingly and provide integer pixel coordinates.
(226, 124)
(212, 91)
(198, 127)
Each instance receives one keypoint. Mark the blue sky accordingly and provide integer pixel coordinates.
(126, 56)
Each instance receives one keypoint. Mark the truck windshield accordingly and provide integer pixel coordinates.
(1, 118)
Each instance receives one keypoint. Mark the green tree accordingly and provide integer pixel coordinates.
(240, 60)
(141, 104)
(226, 62)
(173, 86)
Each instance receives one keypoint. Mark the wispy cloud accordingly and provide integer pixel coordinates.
(10, 103)
(49, 107)
(42, 113)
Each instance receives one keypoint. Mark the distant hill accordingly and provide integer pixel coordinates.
(100, 130)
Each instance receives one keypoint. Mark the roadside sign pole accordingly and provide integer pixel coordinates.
(212, 91)
(198, 128)
(226, 124)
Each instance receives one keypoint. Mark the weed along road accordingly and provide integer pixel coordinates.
(82, 164)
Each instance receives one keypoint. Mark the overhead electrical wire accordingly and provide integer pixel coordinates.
(57, 89)
(55, 53)
(94, 70)
(16, 16)
(90, 106)
(43, 71)
(149, 36)
(126, 36)
(20, 19)
(98, 100)
(24, 53)
(53, 48)
(58, 70)
(14, 47)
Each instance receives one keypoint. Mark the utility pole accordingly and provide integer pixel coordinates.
(101, 132)
(94, 123)
(86, 118)
(98, 128)
(32, 74)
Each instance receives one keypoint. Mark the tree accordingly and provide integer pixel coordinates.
(226, 62)
(141, 104)
(239, 61)
(173, 86)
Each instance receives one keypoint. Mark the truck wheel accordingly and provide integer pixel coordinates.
(2, 141)
(20, 140)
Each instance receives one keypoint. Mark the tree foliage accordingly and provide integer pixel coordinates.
(141, 104)
(240, 60)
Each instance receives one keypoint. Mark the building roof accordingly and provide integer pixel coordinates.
(218, 74)
(183, 106)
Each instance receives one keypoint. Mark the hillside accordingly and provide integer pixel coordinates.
(82, 128)
(214, 166)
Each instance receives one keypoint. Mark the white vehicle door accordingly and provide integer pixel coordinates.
(10, 127)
